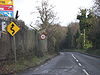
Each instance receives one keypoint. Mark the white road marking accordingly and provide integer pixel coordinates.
(61, 53)
(86, 72)
(77, 60)
(36, 69)
(73, 56)
(79, 64)
(45, 63)
(41, 65)
(45, 71)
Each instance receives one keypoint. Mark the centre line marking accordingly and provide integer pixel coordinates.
(77, 60)
(74, 57)
(86, 72)
(36, 69)
(79, 64)
(45, 71)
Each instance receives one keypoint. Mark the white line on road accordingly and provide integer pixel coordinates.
(86, 72)
(77, 60)
(45, 71)
(36, 69)
(61, 53)
(79, 64)
(73, 56)
(45, 63)
(41, 65)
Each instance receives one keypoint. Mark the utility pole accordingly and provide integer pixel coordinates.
(0, 28)
(84, 37)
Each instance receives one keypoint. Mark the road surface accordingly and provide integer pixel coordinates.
(68, 63)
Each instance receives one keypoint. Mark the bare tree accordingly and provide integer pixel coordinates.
(47, 18)
(98, 2)
(46, 14)
(96, 8)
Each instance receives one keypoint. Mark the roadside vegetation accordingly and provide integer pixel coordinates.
(82, 36)
(31, 50)
(24, 64)
(85, 34)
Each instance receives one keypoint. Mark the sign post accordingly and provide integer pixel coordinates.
(12, 28)
(0, 27)
(14, 43)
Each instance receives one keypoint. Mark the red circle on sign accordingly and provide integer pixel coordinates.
(43, 36)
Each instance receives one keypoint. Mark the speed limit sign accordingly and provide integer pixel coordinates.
(43, 36)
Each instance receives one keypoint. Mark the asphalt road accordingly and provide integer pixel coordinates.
(68, 63)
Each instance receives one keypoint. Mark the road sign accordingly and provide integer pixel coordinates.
(6, 13)
(4, 25)
(6, 7)
(4, 18)
(6, 2)
(12, 28)
(43, 36)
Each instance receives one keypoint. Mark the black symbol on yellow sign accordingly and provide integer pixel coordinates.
(12, 28)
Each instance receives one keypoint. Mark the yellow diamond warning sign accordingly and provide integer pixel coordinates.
(12, 28)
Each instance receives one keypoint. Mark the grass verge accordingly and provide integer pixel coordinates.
(24, 64)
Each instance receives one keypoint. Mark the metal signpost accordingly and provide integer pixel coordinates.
(4, 25)
(12, 28)
(6, 10)
(0, 27)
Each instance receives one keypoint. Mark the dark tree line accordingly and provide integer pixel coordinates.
(87, 33)
(70, 41)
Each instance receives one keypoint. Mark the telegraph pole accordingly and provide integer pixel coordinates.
(0, 28)
(84, 37)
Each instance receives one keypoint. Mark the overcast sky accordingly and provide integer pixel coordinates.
(66, 9)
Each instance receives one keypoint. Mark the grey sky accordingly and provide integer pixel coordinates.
(66, 9)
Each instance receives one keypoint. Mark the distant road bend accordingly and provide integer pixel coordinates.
(68, 63)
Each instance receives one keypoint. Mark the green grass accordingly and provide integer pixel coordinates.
(24, 64)
(94, 52)
(74, 50)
